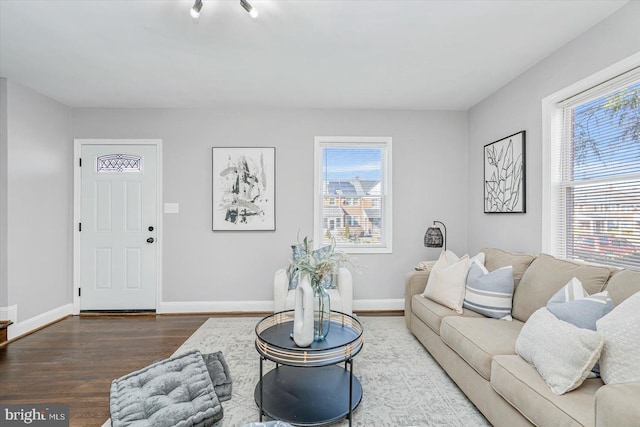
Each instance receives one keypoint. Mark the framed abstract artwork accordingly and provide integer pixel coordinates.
(244, 188)
(504, 175)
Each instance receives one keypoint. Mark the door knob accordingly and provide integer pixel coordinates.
(150, 240)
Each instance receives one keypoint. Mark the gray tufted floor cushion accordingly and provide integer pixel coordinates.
(172, 392)
(220, 375)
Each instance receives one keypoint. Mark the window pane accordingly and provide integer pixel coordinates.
(600, 181)
(606, 135)
(605, 220)
(353, 178)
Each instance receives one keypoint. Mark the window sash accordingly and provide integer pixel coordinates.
(357, 210)
(596, 192)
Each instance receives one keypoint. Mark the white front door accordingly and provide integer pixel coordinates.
(118, 227)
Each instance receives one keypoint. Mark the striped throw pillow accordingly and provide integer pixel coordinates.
(489, 293)
(574, 305)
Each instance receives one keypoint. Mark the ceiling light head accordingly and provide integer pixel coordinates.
(252, 10)
(195, 10)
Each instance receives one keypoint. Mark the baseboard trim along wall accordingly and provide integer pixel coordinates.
(213, 306)
(9, 313)
(378, 304)
(169, 307)
(26, 326)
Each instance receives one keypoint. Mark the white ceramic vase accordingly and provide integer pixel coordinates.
(303, 313)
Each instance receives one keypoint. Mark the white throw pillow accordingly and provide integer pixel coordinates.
(562, 353)
(446, 283)
(620, 359)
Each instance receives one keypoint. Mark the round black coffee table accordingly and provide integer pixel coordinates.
(308, 387)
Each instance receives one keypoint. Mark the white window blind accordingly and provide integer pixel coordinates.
(353, 193)
(596, 182)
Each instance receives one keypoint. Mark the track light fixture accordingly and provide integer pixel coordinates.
(195, 10)
(197, 7)
(252, 11)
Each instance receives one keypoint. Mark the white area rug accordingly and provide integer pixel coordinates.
(403, 385)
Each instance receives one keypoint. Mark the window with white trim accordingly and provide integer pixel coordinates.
(356, 172)
(594, 186)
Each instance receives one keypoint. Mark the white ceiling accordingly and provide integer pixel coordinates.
(384, 54)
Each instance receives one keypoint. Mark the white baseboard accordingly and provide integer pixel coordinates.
(9, 313)
(168, 307)
(378, 304)
(26, 326)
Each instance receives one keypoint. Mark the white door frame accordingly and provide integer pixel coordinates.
(77, 187)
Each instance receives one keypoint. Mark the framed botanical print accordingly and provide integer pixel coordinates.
(504, 175)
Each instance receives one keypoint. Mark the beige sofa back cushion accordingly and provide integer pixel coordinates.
(623, 284)
(497, 258)
(546, 275)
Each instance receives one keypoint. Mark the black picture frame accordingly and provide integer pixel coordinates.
(505, 175)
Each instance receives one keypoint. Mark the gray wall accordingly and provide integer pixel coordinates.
(518, 106)
(39, 202)
(4, 291)
(429, 180)
(437, 174)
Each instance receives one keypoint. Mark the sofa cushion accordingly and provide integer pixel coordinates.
(432, 313)
(622, 285)
(520, 384)
(477, 340)
(617, 405)
(546, 275)
(497, 258)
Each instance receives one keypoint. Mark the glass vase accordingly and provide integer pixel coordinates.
(321, 312)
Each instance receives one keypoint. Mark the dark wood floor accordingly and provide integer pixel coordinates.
(73, 361)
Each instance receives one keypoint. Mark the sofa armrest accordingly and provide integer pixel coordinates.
(280, 289)
(345, 288)
(617, 404)
(414, 284)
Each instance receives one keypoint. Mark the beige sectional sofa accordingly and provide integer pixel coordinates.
(478, 353)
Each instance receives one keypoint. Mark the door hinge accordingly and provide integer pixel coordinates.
(80, 161)
(79, 226)
(79, 292)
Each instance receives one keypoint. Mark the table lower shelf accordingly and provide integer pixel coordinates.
(308, 396)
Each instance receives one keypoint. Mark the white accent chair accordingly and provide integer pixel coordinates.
(341, 297)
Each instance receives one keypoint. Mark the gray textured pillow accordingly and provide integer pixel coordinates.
(562, 353)
(219, 373)
(487, 293)
(574, 305)
(172, 392)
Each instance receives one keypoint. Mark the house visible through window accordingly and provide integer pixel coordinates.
(353, 193)
(595, 174)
